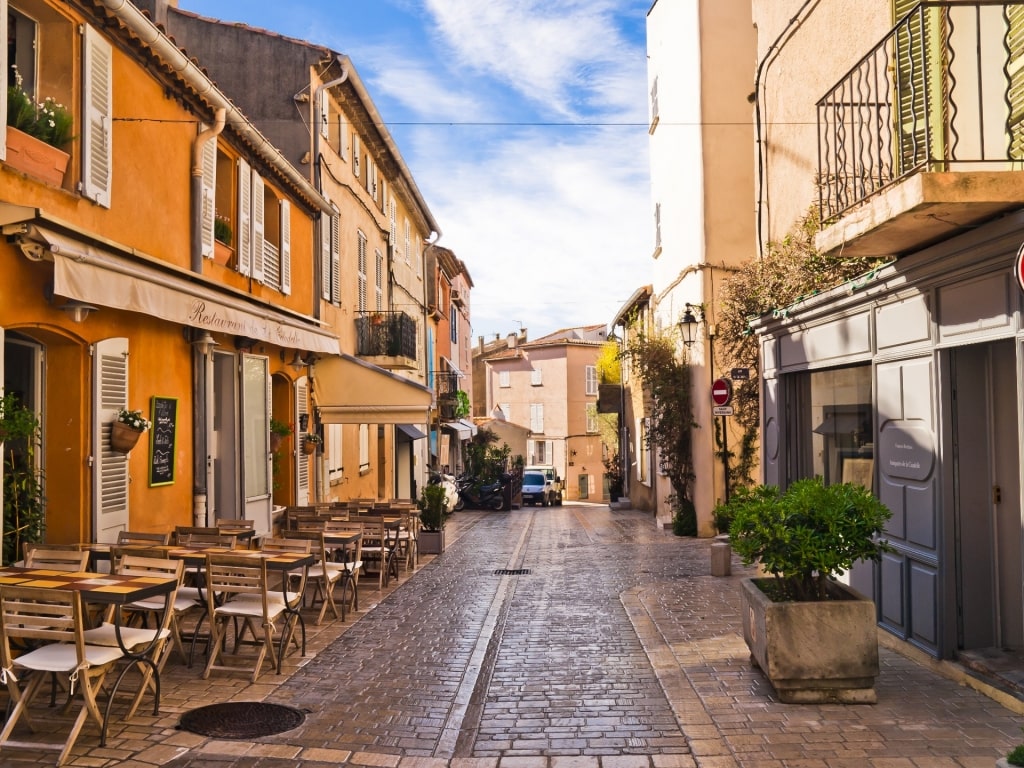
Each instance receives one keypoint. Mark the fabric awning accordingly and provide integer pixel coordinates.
(465, 429)
(410, 431)
(347, 390)
(98, 275)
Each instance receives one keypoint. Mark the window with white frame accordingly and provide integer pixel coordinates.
(537, 418)
(591, 374)
(364, 448)
(591, 409)
(330, 257)
(539, 451)
(333, 452)
(504, 379)
(333, 126)
(506, 410)
(361, 270)
(536, 378)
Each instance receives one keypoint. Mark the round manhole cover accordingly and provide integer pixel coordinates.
(241, 720)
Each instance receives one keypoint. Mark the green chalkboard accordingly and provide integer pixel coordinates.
(162, 439)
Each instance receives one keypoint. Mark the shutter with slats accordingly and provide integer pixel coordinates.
(378, 284)
(258, 212)
(325, 256)
(96, 128)
(286, 247)
(244, 218)
(1015, 69)
(301, 459)
(209, 187)
(3, 77)
(110, 468)
(336, 259)
(361, 269)
(355, 155)
(920, 85)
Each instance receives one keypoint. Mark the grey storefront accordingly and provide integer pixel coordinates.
(910, 379)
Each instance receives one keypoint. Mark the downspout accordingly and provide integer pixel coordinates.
(762, 69)
(198, 145)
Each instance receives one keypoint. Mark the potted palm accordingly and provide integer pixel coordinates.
(815, 638)
(434, 512)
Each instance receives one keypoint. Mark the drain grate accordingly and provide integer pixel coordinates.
(512, 572)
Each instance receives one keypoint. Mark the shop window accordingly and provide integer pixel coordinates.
(829, 416)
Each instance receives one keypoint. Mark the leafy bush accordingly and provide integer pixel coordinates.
(1016, 757)
(684, 516)
(23, 501)
(433, 506)
(808, 534)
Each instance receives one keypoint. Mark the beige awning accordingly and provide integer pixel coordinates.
(347, 390)
(100, 276)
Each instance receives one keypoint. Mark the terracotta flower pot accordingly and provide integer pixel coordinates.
(122, 437)
(36, 158)
(308, 447)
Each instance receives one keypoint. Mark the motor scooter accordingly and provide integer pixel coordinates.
(451, 490)
(489, 496)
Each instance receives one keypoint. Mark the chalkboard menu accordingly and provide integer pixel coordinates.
(162, 439)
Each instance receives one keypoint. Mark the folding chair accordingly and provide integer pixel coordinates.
(53, 621)
(56, 559)
(325, 574)
(246, 596)
(380, 543)
(153, 642)
(142, 538)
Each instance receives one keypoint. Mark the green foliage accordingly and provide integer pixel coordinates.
(666, 381)
(433, 506)
(788, 271)
(49, 121)
(485, 461)
(609, 370)
(615, 473)
(462, 405)
(280, 428)
(222, 231)
(1016, 756)
(684, 516)
(24, 511)
(808, 534)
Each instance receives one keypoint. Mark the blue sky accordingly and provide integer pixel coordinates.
(524, 123)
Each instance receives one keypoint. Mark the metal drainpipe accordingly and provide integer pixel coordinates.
(202, 360)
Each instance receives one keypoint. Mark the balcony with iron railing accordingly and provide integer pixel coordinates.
(924, 136)
(387, 338)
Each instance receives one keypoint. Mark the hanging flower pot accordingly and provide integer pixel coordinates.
(123, 437)
(308, 447)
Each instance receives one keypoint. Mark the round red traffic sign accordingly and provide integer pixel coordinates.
(721, 391)
(1018, 267)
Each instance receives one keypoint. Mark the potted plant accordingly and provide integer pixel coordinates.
(614, 474)
(310, 441)
(127, 429)
(434, 512)
(815, 638)
(222, 237)
(1015, 757)
(37, 133)
(279, 430)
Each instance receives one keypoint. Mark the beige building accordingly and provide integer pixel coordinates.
(550, 386)
(904, 133)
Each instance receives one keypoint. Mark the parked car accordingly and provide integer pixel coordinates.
(537, 489)
(551, 475)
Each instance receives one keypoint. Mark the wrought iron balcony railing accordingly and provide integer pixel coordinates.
(943, 91)
(386, 333)
(447, 383)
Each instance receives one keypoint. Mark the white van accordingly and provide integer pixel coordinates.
(550, 474)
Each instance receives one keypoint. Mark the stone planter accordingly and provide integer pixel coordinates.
(122, 437)
(36, 158)
(430, 542)
(814, 652)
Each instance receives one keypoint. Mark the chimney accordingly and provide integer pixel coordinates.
(512, 340)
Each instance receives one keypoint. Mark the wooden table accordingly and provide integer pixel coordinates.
(106, 589)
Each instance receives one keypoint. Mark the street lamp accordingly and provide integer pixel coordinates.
(688, 326)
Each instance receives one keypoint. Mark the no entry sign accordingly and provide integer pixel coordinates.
(1018, 268)
(721, 391)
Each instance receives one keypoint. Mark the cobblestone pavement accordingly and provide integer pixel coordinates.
(572, 637)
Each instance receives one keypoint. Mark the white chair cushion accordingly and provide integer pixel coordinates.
(105, 634)
(62, 657)
(182, 601)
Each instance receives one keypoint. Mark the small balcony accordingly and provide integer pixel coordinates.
(387, 339)
(924, 136)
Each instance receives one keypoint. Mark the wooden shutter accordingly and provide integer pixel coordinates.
(361, 269)
(920, 85)
(110, 468)
(378, 279)
(258, 212)
(1015, 44)
(96, 128)
(286, 247)
(336, 259)
(244, 235)
(355, 155)
(209, 193)
(301, 459)
(325, 256)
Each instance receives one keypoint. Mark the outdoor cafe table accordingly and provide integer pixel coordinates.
(105, 589)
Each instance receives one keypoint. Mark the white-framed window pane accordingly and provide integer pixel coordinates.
(591, 372)
(333, 453)
(256, 429)
(537, 418)
(536, 379)
(503, 379)
(591, 417)
(364, 447)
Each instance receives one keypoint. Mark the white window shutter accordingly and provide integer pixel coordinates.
(325, 256)
(342, 136)
(96, 128)
(393, 216)
(286, 247)
(258, 212)
(3, 91)
(244, 235)
(110, 468)
(209, 188)
(336, 259)
(355, 155)
(301, 460)
(361, 271)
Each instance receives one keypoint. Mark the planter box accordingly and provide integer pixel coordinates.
(431, 542)
(36, 158)
(814, 652)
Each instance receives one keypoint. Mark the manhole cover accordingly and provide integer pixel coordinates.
(512, 572)
(241, 719)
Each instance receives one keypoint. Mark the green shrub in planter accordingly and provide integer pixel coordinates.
(433, 506)
(1016, 757)
(807, 535)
